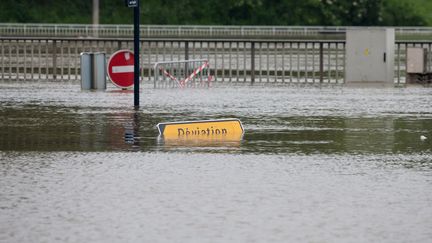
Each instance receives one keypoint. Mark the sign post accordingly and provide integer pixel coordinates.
(131, 3)
(135, 4)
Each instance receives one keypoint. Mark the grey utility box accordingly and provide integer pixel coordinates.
(417, 71)
(370, 56)
(93, 71)
(416, 60)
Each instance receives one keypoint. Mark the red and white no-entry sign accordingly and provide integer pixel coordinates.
(121, 68)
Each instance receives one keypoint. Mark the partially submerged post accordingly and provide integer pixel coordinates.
(136, 6)
(93, 71)
(370, 56)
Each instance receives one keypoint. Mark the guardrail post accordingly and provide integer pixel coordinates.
(54, 60)
(252, 62)
(186, 55)
(321, 60)
(398, 64)
(186, 50)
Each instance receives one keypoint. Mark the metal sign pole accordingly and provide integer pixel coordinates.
(136, 52)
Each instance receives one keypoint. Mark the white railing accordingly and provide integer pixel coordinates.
(157, 31)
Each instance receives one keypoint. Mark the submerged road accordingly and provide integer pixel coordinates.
(315, 164)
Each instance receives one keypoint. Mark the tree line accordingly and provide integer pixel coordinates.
(226, 12)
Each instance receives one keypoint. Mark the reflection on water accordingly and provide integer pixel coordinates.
(62, 122)
(34, 128)
(199, 142)
(131, 130)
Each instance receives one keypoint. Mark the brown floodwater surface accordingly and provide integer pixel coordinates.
(315, 164)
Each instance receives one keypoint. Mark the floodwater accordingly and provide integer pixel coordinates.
(316, 164)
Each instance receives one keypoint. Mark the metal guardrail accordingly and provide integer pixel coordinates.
(189, 31)
(236, 61)
(230, 60)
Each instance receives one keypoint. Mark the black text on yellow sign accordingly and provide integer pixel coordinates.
(226, 129)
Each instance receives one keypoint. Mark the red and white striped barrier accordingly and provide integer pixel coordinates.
(194, 73)
(182, 82)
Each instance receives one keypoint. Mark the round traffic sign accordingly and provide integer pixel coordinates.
(121, 68)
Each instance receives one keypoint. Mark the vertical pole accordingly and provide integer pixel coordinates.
(244, 62)
(237, 61)
(313, 62)
(216, 61)
(25, 60)
(223, 61)
(283, 61)
(10, 61)
(2, 59)
(230, 61)
(306, 63)
(268, 61)
(398, 64)
(95, 12)
(46, 59)
(298, 62)
(252, 62)
(54, 59)
(95, 17)
(136, 53)
(186, 71)
(321, 60)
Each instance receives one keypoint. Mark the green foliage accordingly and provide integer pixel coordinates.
(403, 13)
(356, 12)
(38, 11)
(226, 12)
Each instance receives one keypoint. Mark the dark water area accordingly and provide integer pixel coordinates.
(315, 164)
(55, 117)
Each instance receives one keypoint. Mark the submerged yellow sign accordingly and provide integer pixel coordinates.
(226, 129)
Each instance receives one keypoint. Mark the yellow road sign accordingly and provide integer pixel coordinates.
(225, 129)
